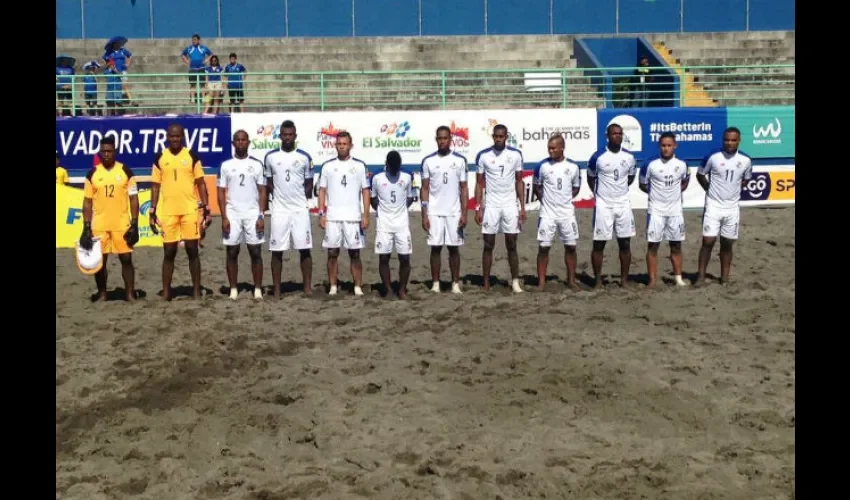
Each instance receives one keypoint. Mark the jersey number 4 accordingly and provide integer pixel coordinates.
(344, 181)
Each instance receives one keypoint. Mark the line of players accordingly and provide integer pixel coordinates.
(345, 196)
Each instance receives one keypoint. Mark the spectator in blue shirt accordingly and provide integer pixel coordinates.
(215, 87)
(196, 56)
(121, 58)
(114, 91)
(90, 88)
(64, 81)
(235, 83)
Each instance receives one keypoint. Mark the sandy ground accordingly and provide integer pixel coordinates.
(675, 394)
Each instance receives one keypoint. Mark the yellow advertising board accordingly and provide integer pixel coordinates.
(783, 186)
(69, 218)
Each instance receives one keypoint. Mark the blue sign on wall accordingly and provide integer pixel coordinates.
(698, 130)
(138, 139)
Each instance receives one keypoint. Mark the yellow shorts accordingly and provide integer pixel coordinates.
(113, 242)
(179, 227)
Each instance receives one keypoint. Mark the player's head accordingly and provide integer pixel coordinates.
(393, 162)
(500, 137)
(731, 139)
(614, 134)
(196, 39)
(343, 145)
(556, 147)
(233, 58)
(107, 151)
(175, 137)
(444, 139)
(241, 143)
(287, 135)
(667, 145)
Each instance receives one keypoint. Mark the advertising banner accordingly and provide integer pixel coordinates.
(138, 139)
(69, 218)
(770, 187)
(698, 130)
(412, 133)
(766, 132)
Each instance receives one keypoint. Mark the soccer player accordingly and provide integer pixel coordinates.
(610, 172)
(392, 195)
(344, 210)
(289, 177)
(557, 180)
(111, 213)
(663, 179)
(61, 173)
(445, 197)
(241, 196)
(722, 175)
(500, 167)
(175, 173)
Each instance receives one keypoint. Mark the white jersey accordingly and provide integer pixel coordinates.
(242, 178)
(289, 171)
(392, 195)
(344, 181)
(612, 171)
(726, 172)
(557, 178)
(445, 174)
(664, 179)
(499, 169)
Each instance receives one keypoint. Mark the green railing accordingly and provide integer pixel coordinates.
(449, 89)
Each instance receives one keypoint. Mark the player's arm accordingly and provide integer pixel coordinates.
(686, 178)
(645, 176)
(520, 185)
(537, 181)
(576, 182)
(479, 184)
(323, 197)
(221, 192)
(308, 183)
(425, 194)
(374, 196)
(263, 193)
(591, 171)
(704, 172)
(633, 170)
(365, 197)
(464, 195)
(748, 174)
(410, 192)
(268, 173)
(198, 174)
(156, 182)
(88, 195)
(131, 236)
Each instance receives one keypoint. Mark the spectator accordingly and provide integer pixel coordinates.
(235, 83)
(196, 56)
(64, 80)
(114, 91)
(215, 87)
(121, 58)
(90, 88)
(641, 83)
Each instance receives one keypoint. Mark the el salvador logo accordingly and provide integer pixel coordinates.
(145, 207)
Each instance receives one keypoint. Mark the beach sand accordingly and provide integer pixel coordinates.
(619, 394)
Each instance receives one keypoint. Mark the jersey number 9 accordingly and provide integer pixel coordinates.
(616, 175)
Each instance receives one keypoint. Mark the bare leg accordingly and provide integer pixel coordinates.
(129, 275)
(704, 258)
(356, 267)
(194, 267)
(725, 259)
(307, 270)
(596, 257)
(435, 264)
(403, 275)
(652, 263)
(486, 259)
(100, 280)
(232, 266)
(256, 253)
(277, 268)
(333, 266)
(169, 251)
(625, 259)
(454, 263)
(571, 260)
(384, 271)
(542, 265)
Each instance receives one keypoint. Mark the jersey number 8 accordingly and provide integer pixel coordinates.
(560, 183)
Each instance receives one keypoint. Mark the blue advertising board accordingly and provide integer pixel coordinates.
(138, 139)
(698, 130)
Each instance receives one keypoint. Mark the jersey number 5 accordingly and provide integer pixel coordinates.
(392, 196)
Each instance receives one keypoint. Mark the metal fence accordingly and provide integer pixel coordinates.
(153, 94)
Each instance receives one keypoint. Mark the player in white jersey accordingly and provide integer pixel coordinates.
(392, 195)
(722, 175)
(663, 179)
(445, 197)
(557, 181)
(289, 177)
(610, 172)
(241, 196)
(500, 167)
(344, 210)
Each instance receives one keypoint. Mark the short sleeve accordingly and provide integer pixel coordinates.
(127, 53)
(748, 171)
(197, 168)
(632, 166)
(308, 170)
(424, 170)
(185, 52)
(410, 187)
(537, 178)
(520, 165)
(132, 186)
(63, 177)
(591, 164)
(577, 178)
(686, 175)
(88, 190)
(705, 165)
(156, 174)
(479, 163)
(323, 179)
(462, 171)
(364, 179)
(644, 173)
(222, 179)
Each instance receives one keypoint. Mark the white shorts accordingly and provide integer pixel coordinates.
(242, 231)
(608, 221)
(348, 235)
(290, 230)
(386, 241)
(661, 227)
(500, 220)
(444, 231)
(566, 228)
(723, 222)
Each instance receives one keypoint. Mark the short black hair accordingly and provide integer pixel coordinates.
(109, 139)
(671, 135)
(233, 54)
(731, 129)
(613, 125)
(394, 159)
(287, 124)
(344, 133)
(444, 127)
(500, 127)
(195, 35)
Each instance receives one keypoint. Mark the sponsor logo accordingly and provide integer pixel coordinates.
(267, 137)
(757, 188)
(145, 208)
(491, 124)
(141, 141)
(632, 132)
(768, 134)
(783, 186)
(394, 136)
(460, 138)
(326, 137)
(685, 131)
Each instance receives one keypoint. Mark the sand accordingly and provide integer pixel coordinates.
(674, 394)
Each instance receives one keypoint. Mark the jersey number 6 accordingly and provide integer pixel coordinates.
(445, 177)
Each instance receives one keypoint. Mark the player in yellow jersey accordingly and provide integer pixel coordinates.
(174, 208)
(111, 213)
(61, 173)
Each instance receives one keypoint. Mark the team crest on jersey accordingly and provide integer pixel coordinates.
(185, 163)
(117, 177)
(351, 170)
(623, 163)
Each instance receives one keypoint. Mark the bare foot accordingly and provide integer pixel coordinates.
(402, 295)
(486, 286)
(101, 297)
(541, 288)
(598, 285)
(574, 287)
(308, 291)
(627, 284)
(131, 297)
(651, 285)
(699, 282)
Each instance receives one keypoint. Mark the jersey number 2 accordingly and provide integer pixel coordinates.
(242, 180)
